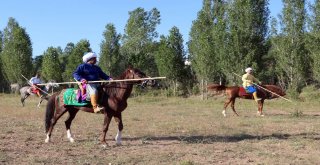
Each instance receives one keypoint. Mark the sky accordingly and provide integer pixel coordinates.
(58, 22)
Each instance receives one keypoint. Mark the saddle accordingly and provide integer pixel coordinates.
(243, 92)
(71, 96)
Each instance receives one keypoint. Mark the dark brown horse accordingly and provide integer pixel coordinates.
(233, 92)
(113, 97)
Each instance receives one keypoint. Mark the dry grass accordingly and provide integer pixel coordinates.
(159, 130)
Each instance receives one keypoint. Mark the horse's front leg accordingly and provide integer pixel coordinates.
(260, 107)
(118, 137)
(72, 115)
(106, 123)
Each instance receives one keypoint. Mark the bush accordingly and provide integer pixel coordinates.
(310, 93)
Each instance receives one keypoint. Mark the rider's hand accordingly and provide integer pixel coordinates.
(110, 78)
(84, 81)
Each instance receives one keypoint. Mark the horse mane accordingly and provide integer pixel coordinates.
(113, 89)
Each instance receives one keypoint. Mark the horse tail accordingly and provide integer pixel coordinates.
(49, 112)
(216, 87)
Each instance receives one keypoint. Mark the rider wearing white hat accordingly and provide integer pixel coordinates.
(88, 71)
(248, 83)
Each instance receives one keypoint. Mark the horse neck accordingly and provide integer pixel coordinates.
(121, 90)
(126, 89)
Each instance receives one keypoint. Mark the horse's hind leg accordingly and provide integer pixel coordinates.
(23, 98)
(118, 137)
(232, 106)
(72, 115)
(58, 113)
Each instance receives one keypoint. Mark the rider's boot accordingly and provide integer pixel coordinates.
(96, 107)
(256, 98)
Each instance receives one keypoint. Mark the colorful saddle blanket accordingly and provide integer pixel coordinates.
(71, 97)
(243, 92)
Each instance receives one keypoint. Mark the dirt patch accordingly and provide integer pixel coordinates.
(162, 131)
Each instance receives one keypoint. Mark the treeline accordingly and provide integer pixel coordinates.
(226, 37)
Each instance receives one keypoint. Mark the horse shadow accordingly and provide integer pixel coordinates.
(210, 139)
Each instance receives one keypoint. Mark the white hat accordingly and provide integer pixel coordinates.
(88, 56)
(248, 69)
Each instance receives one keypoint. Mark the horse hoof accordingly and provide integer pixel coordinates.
(224, 113)
(47, 140)
(105, 146)
(71, 140)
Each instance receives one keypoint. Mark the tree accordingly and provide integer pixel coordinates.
(170, 58)
(138, 40)
(51, 69)
(201, 43)
(37, 63)
(3, 82)
(75, 58)
(248, 27)
(313, 39)
(63, 57)
(110, 59)
(292, 60)
(200, 46)
(16, 54)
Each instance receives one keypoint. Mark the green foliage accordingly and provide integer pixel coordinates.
(16, 55)
(51, 69)
(310, 93)
(75, 58)
(138, 46)
(313, 39)
(248, 20)
(37, 63)
(110, 60)
(201, 43)
(288, 47)
(170, 58)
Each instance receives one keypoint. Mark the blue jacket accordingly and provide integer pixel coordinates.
(89, 72)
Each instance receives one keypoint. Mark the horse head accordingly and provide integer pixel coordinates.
(276, 91)
(134, 73)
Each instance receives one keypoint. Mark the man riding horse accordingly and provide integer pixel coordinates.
(248, 83)
(34, 81)
(88, 71)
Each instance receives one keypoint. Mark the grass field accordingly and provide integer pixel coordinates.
(161, 130)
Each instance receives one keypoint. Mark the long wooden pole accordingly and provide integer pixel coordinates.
(266, 89)
(151, 78)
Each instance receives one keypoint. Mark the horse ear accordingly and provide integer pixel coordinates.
(130, 66)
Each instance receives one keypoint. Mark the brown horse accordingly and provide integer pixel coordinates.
(233, 92)
(113, 97)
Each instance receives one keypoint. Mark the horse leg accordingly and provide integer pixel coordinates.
(225, 107)
(107, 119)
(72, 115)
(260, 106)
(118, 119)
(233, 100)
(41, 99)
(24, 98)
(58, 113)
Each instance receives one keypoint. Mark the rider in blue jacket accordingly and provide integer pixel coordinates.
(88, 71)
